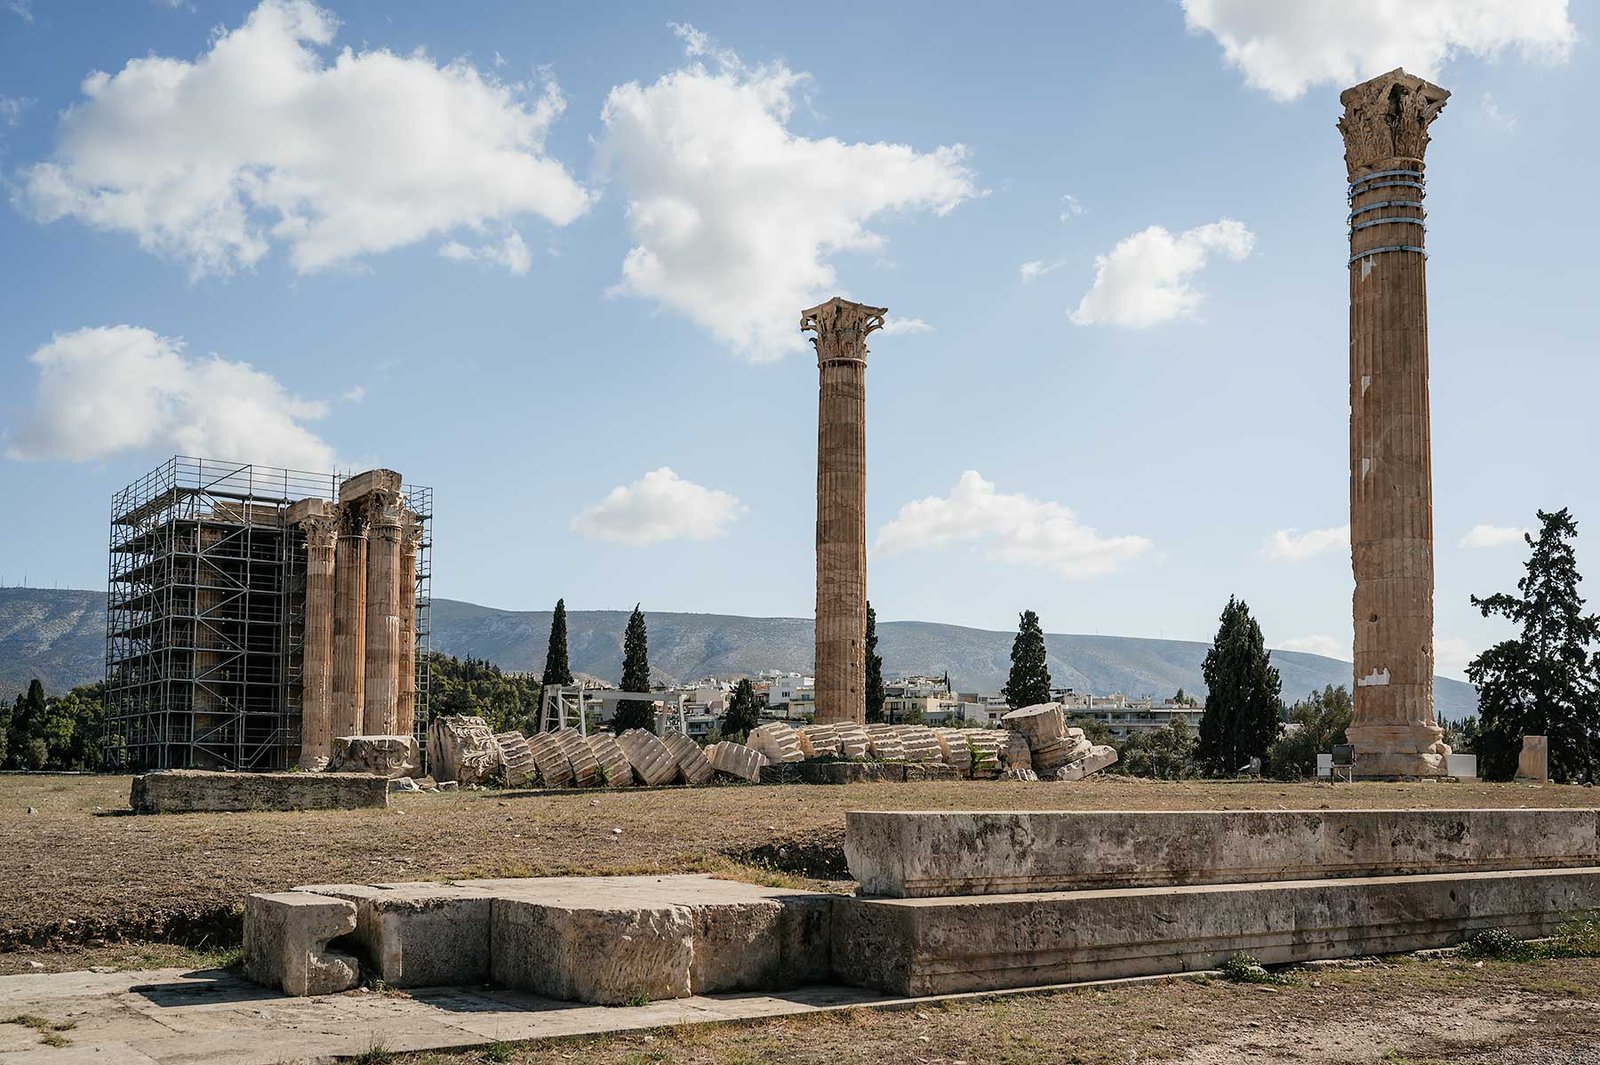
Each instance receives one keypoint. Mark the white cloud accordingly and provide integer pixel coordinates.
(511, 253)
(1451, 655)
(737, 220)
(659, 506)
(905, 326)
(1319, 644)
(1012, 528)
(1496, 114)
(355, 394)
(1291, 545)
(23, 9)
(1146, 278)
(120, 388)
(1034, 269)
(262, 142)
(1492, 536)
(11, 108)
(1285, 48)
(1071, 207)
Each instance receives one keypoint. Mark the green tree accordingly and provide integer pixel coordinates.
(1546, 681)
(557, 672)
(1243, 705)
(874, 687)
(635, 713)
(1318, 722)
(742, 714)
(1161, 754)
(25, 736)
(1029, 682)
(479, 688)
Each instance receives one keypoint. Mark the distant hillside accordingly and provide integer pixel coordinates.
(59, 636)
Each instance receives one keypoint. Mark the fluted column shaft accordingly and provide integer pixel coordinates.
(349, 619)
(316, 670)
(381, 695)
(841, 626)
(406, 705)
(1391, 481)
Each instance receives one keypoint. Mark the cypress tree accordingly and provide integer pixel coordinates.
(25, 740)
(1029, 682)
(742, 714)
(557, 672)
(874, 686)
(1547, 681)
(633, 713)
(1243, 703)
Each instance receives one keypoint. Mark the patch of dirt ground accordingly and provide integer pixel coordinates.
(74, 871)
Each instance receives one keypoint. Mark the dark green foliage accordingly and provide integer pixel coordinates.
(1577, 937)
(634, 713)
(1546, 682)
(479, 688)
(874, 687)
(1322, 716)
(1094, 730)
(1243, 968)
(557, 672)
(1242, 701)
(1163, 754)
(53, 732)
(1029, 681)
(742, 714)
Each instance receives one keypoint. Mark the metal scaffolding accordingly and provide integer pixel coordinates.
(206, 615)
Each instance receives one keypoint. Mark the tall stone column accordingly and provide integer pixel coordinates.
(841, 330)
(1385, 128)
(320, 527)
(410, 544)
(382, 692)
(350, 619)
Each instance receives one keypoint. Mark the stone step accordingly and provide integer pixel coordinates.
(933, 946)
(918, 854)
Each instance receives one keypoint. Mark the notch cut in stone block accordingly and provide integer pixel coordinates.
(286, 937)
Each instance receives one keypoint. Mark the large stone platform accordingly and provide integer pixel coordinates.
(194, 791)
(921, 854)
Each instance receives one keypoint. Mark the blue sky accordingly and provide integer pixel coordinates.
(534, 255)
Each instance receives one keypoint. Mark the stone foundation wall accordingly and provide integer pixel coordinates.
(199, 791)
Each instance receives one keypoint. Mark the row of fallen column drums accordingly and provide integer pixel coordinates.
(568, 758)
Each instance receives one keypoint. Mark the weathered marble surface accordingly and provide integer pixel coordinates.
(187, 791)
(286, 936)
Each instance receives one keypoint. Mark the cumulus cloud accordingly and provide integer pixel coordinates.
(511, 253)
(905, 325)
(1012, 528)
(1285, 48)
(261, 141)
(122, 388)
(1071, 207)
(736, 220)
(659, 506)
(1493, 536)
(1034, 269)
(1146, 279)
(1291, 545)
(1319, 644)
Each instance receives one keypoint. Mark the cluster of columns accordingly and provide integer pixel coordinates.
(1385, 130)
(359, 658)
(841, 329)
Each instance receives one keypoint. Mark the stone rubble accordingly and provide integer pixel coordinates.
(736, 760)
(463, 749)
(517, 759)
(1096, 759)
(615, 769)
(652, 762)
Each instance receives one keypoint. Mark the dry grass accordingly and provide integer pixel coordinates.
(75, 872)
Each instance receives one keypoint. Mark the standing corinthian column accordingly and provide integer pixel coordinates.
(410, 544)
(350, 618)
(841, 342)
(382, 693)
(1385, 128)
(316, 670)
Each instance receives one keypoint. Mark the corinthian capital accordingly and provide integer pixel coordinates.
(1386, 120)
(841, 328)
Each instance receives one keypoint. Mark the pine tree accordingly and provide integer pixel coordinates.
(1029, 682)
(1243, 705)
(557, 672)
(634, 713)
(1547, 681)
(874, 685)
(742, 714)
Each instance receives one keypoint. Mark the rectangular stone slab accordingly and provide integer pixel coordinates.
(189, 791)
(924, 854)
(992, 942)
(419, 934)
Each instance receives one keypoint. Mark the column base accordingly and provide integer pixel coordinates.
(1398, 752)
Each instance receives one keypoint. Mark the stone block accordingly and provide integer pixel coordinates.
(736, 760)
(1093, 760)
(985, 745)
(421, 934)
(919, 744)
(1016, 754)
(919, 854)
(384, 756)
(186, 791)
(820, 739)
(286, 937)
(652, 762)
(463, 749)
(516, 758)
(885, 743)
(1039, 723)
(585, 767)
(833, 772)
(853, 739)
(690, 758)
(777, 742)
(1533, 763)
(932, 946)
(615, 768)
(1018, 773)
(555, 771)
